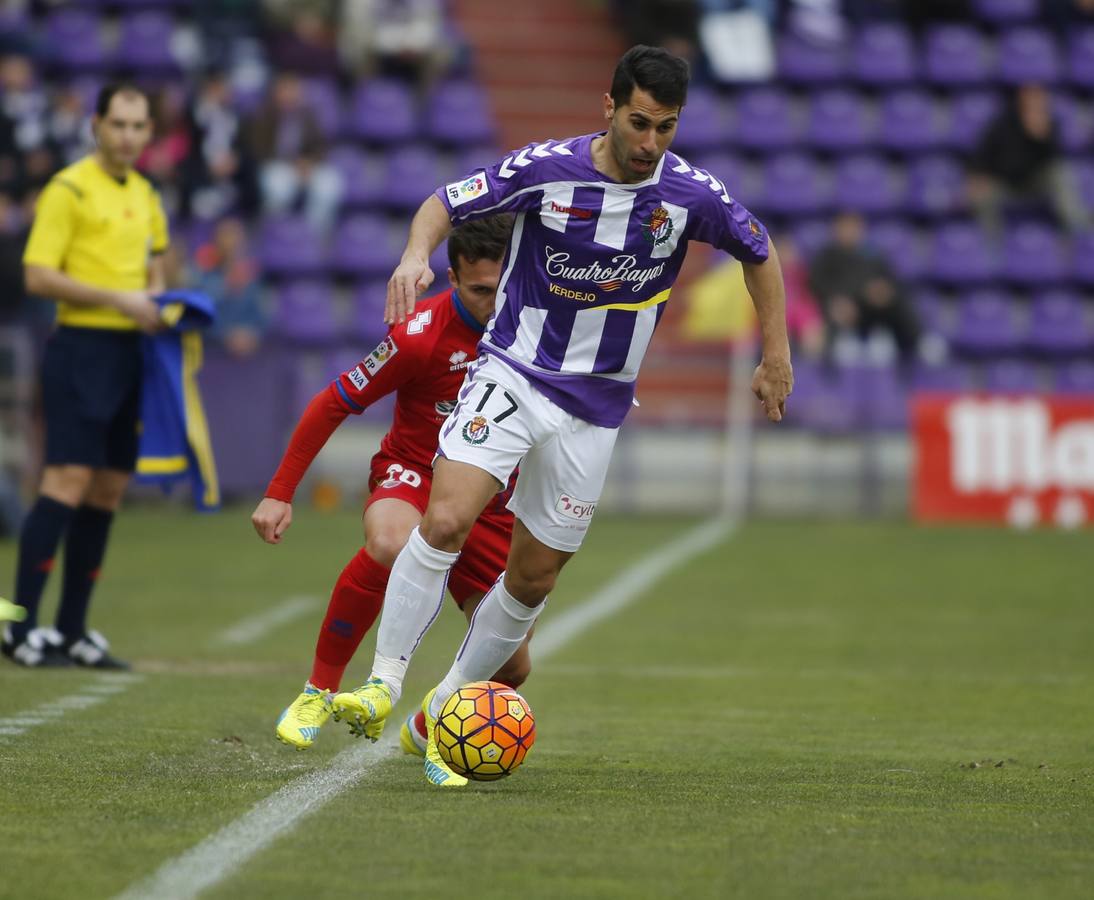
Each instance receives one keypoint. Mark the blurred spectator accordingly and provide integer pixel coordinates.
(25, 157)
(672, 24)
(224, 271)
(400, 38)
(220, 174)
(860, 295)
(719, 307)
(13, 238)
(1017, 163)
(69, 125)
(303, 39)
(288, 142)
(166, 154)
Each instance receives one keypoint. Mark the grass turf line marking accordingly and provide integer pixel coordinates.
(224, 852)
(102, 689)
(254, 627)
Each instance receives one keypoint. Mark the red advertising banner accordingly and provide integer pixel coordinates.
(1021, 460)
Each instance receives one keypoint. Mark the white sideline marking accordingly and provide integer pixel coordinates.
(223, 853)
(252, 628)
(105, 687)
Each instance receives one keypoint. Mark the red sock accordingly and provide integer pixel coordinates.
(354, 605)
(419, 723)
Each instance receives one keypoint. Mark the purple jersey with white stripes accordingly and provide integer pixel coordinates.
(591, 264)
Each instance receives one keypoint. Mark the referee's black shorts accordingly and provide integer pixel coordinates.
(91, 379)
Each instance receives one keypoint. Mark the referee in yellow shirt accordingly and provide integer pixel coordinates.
(95, 246)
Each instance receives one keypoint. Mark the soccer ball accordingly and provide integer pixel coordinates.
(485, 730)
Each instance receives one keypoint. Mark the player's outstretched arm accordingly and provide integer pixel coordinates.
(413, 275)
(774, 377)
(272, 519)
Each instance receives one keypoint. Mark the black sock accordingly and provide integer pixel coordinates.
(42, 531)
(85, 547)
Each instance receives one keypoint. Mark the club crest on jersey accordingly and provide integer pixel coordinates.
(659, 227)
(754, 226)
(378, 358)
(476, 431)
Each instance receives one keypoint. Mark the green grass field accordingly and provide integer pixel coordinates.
(810, 710)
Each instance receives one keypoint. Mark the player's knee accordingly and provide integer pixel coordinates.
(445, 528)
(530, 585)
(384, 546)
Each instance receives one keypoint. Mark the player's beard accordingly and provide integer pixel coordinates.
(623, 155)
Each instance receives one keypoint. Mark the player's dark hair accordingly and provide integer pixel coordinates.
(656, 71)
(109, 91)
(480, 239)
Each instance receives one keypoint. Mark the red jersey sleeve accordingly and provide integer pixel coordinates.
(384, 370)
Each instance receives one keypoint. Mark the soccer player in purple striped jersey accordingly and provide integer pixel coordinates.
(602, 226)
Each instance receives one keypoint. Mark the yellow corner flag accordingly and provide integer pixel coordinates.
(9, 612)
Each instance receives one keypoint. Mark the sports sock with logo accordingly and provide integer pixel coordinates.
(355, 602)
(85, 547)
(498, 628)
(42, 531)
(415, 592)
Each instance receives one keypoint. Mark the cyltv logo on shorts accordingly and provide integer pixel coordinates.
(579, 510)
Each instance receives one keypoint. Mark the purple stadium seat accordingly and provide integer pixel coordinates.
(703, 123)
(413, 173)
(804, 62)
(1034, 254)
(884, 396)
(811, 235)
(765, 119)
(911, 122)
(144, 42)
(1082, 258)
(825, 401)
(936, 314)
(869, 185)
(1076, 377)
(362, 176)
(728, 169)
(936, 186)
(305, 312)
(1028, 55)
(962, 255)
(1059, 325)
(474, 159)
(884, 54)
(384, 112)
(458, 113)
(1074, 124)
(74, 40)
(957, 55)
(794, 184)
(364, 246)
(1081, 57)
(988, 324)
(290, 247)
(1013, 376)
(325, 100)
(970, 114)
(945, 377)
(1006, 11)
(901, 244)
(839, 120)
(368, 311)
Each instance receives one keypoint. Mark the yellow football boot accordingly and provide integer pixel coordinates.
(436, 769)
(365, 709)
(299, 724)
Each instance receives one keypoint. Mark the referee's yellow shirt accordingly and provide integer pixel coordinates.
(99, 231)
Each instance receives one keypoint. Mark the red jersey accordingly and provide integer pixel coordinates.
(423, 360)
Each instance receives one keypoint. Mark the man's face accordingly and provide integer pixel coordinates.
(477, 282)
(125, 130)
(639, 133)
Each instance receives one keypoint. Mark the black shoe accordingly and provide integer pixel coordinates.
(90, 651)
(40, 649)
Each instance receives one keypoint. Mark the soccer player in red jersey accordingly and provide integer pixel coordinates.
(423, 360)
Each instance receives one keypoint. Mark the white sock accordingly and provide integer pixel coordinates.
(497, 629)
(415, 592)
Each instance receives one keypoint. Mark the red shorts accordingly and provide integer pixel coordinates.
(484, 554)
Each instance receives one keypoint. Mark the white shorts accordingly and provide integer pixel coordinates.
(501, 421)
